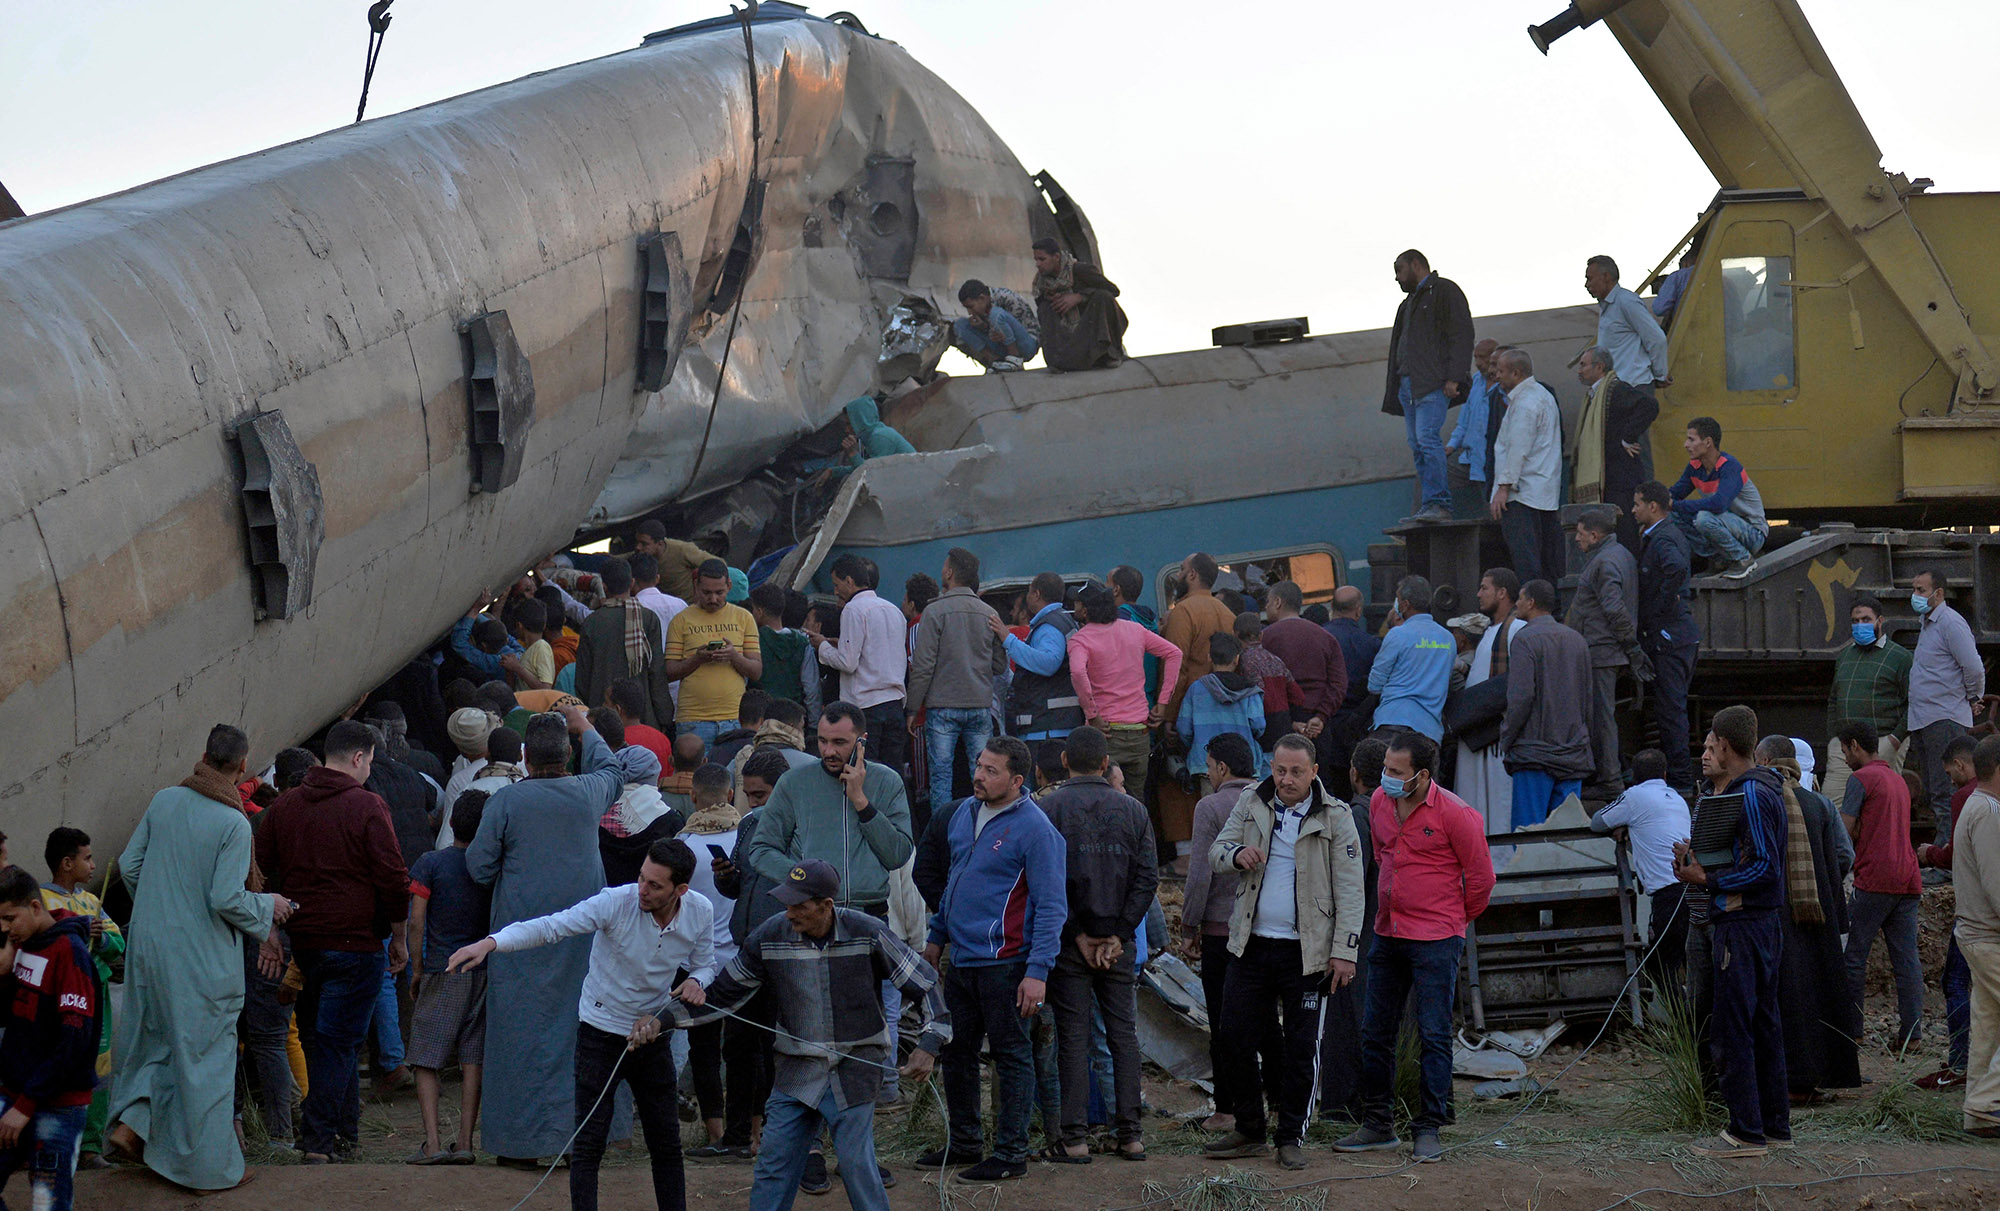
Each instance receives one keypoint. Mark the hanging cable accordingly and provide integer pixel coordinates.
(378, 27)
(751, 220)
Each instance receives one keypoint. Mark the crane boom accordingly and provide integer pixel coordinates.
(1753, 90)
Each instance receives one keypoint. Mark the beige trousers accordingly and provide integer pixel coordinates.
(1982, 1067)
(1833, 775)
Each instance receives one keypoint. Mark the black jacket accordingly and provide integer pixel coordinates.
(1111, 860)
(412, 805)
(1431, 342)
(1663, 588)
(1628, 414)
(932, 871)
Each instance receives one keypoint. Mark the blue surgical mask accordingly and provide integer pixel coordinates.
(1864, 633)
(1920, 603)
(1395, 788)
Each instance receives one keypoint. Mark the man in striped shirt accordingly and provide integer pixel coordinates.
(823, 965)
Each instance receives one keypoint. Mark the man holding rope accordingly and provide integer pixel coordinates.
(833, 1045)
(644, 935)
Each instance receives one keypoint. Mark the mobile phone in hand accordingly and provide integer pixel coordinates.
(721, 854)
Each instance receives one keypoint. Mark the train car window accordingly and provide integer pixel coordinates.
(1757, 331)
(1316, 570)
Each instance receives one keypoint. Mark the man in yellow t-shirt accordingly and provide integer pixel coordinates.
(711, 649)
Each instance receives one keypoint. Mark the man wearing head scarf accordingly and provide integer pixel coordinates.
(640, 817)
(1821, 1020)
(1083, 327)
(468, 728)
(537, 848)
(500, 767)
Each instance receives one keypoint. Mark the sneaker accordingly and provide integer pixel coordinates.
(1367, 1139)
(1291, 1156)
(1234, 1145)
(948, 1157)
(1775, 1142)
(993, 1169)
(1428, 514)
(1943, 1078)
(1428, 1147)
(1724, 1146)
(711, 1152)
(814, 1179)
(888, 1178)
(1741, 570)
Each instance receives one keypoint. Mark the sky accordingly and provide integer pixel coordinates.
(1234, 169)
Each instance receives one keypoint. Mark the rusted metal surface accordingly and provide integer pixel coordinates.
(328, 279)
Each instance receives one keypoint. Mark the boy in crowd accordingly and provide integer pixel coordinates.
(448, 911)
(71, 868)
(49, 997)
(1222, 701)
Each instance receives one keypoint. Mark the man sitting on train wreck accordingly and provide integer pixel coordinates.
(1083, 327)
(1000, 330)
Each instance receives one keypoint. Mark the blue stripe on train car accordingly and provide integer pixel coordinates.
(1347, 517)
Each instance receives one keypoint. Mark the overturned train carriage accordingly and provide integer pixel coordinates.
(271, 424)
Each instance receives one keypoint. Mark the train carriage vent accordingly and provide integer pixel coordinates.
(500, 387)
(666, 303)
(284, 511)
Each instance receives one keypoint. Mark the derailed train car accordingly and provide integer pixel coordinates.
(270, 425)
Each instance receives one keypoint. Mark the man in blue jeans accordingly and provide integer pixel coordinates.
(1434, 876)
(835, 1049)
(328, 844)
(1430, 363)
(1716, 504)
(953, 663)
(1001, 952)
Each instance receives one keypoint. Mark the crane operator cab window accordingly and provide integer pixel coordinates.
(1757, 323)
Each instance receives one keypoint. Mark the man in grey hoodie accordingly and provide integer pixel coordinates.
(1545, 734)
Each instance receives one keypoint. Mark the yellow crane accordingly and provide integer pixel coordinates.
(1840, 320)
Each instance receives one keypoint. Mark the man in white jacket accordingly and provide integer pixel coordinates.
(1527, 470)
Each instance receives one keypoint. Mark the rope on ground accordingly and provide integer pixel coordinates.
(1526, 1103)
(944, 1197)
(564, 1150)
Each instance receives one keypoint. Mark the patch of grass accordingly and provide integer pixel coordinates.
(1676, 1098)
(1234, 1189)
(1897, 1109)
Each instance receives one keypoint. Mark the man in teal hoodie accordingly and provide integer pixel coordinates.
(872, 438)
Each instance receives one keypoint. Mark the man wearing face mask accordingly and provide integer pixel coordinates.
(1946, 679)
(1871, 684)
(1433, 876)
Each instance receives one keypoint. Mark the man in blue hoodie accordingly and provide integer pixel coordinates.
(1002, 913)
(1746, 940)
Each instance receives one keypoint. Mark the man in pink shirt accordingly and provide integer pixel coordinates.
(1434, 876)
(1107, 665)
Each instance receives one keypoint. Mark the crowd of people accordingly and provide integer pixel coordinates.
(765, 841)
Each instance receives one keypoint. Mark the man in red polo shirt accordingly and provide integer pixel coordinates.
(1887, 884)
(1434, 876)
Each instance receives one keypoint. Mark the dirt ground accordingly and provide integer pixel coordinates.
(1581, 1148)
